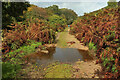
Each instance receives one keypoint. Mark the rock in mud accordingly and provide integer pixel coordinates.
(45, 51)
(37, 50)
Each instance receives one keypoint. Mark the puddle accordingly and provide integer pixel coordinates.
(64, 55)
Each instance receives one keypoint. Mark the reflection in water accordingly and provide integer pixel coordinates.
(68, 55)
(85, 55)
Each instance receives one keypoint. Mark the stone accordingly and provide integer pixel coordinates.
(37, 50)
(82, 61)
(78, 62)
(45, 51)
(96, 77)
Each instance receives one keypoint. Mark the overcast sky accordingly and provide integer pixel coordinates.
(79, 6)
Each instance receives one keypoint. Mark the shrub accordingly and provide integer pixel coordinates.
(9, 70)
(13, 39)
(69, 14)
(15, 56)
(110, 62)
(56, 22)
(112, 4)
(37, 30)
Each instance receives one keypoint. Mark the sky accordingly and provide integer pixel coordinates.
(79, 6)
(71, 0)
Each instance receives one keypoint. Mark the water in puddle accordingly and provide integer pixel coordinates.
(66, 55)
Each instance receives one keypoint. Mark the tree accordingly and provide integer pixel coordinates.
(112, 0)
(56, 22)
(112, 3)
(12, 10)
(70, 15)
(36, 12)
(54, 9)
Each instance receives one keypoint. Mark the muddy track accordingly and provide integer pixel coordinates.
(79, 69)
(66, 40)
(83, 69)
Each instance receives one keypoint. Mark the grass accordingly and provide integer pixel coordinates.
(10, 70)
(62, 41)
(92, 46)
(59, 71)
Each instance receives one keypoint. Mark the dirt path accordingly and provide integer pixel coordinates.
(87, 69)
(83, 69)
(79, 69)
(66, 40)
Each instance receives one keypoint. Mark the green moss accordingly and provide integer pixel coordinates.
(62, 42)
(59, 71)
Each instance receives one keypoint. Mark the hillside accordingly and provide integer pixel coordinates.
(99, 30)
